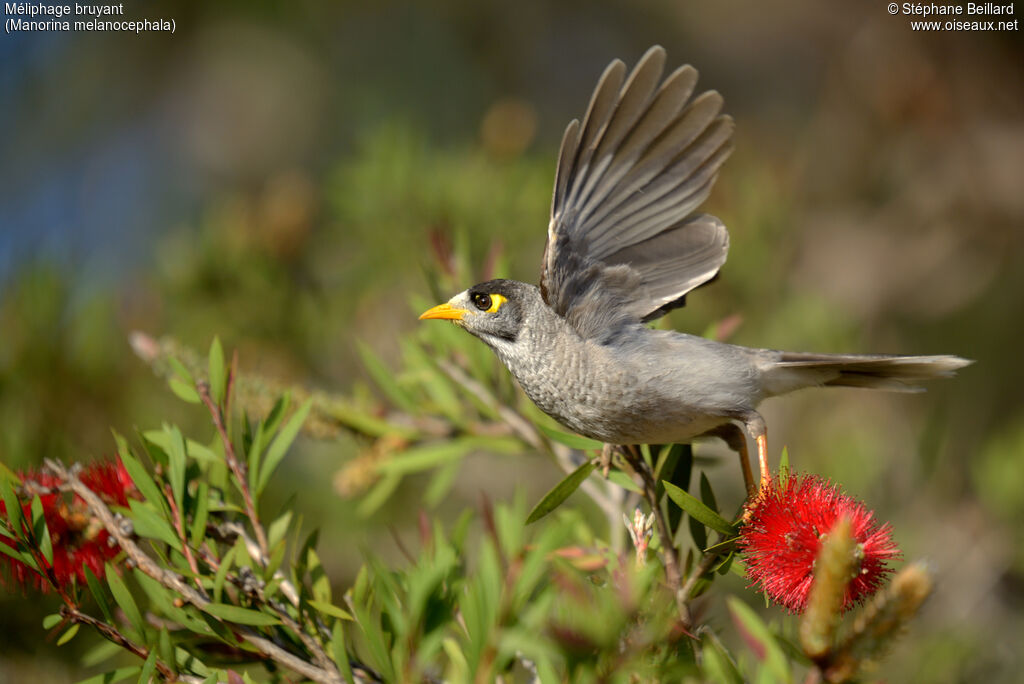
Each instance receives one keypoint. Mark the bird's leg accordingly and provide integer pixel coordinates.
(756, 428)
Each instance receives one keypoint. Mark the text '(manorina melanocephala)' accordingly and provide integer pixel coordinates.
(625, 245)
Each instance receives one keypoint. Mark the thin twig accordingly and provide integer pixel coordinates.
(175, 582)
(237, 469)
(185, 548)
(672, 573)
(111, 633)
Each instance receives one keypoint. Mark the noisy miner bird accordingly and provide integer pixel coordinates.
(625, 245)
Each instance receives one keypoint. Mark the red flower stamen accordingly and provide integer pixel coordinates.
(785, 525)
(79, 542)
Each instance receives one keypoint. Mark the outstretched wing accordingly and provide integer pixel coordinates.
(624, 244)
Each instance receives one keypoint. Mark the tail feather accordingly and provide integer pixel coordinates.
(793, 370)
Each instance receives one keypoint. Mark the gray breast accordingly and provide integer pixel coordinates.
(646, 387)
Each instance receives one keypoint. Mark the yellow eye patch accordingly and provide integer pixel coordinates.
(488, 303)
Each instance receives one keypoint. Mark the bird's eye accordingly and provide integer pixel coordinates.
(488, 303)
(482, 301)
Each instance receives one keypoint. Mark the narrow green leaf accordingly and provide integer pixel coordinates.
(239, 615)
(68, 635)
(320, 582)
(177, 465)
(197, 532)
(184, 392)
(146, 673)
(40, 532)
(380, 493)
(718, 666)
(222, 573)
(278, 528)
(625, 481)
(706, 494)
(569, 440)
(143, 482)
(698, 510)
(419, 458)
(147, 523)
(384, 377)
(12, 505)
(760, 639)
(52, 620)
(331, 609)
(340, 653)
(441, 483)
(99, 594)
(113, 676)
(124, 599)
(279, 447)
(784, 466)
(101, 652)
(216, 370)
(560, 492)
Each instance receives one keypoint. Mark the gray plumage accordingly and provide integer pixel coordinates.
(625, 246)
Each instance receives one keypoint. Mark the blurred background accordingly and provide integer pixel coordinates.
(271, 173)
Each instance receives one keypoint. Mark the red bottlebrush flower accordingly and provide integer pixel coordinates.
(79, 541)
(783, 533)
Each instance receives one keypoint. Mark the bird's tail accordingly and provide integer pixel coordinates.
(793, 371)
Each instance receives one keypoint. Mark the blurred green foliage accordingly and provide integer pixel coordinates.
(873, 204)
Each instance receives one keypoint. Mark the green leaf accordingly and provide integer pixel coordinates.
(113, 676)
(140, 476)
(68, 635)
(340, 653)
(278, 528)
(239, 615)
(321, 583)
(418, 459)
(120, 592)
(149, 524)
(183, 391)
(101, 652)
(99, 594)
(718, 666)
(569, 440)
(177, 465)
(331, 609)
(625, 481)
(216, 370)
(197, 532)
(376, 497)
(11, 504)
(441, 483)
(707, 495)
(52, 620)
(760, 639)
(561, 492)
(384, 377)
(698, 510)
(279, 447)
(146, 674)
(222, 573)
(784, 466)
(40, 532)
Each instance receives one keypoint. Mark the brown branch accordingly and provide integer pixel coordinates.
(185, 548)
(111, 633)
(175, 582)
(237, 469)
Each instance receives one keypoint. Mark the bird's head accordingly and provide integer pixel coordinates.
(493, 311)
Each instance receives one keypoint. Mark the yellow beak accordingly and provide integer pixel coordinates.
(445, 311)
